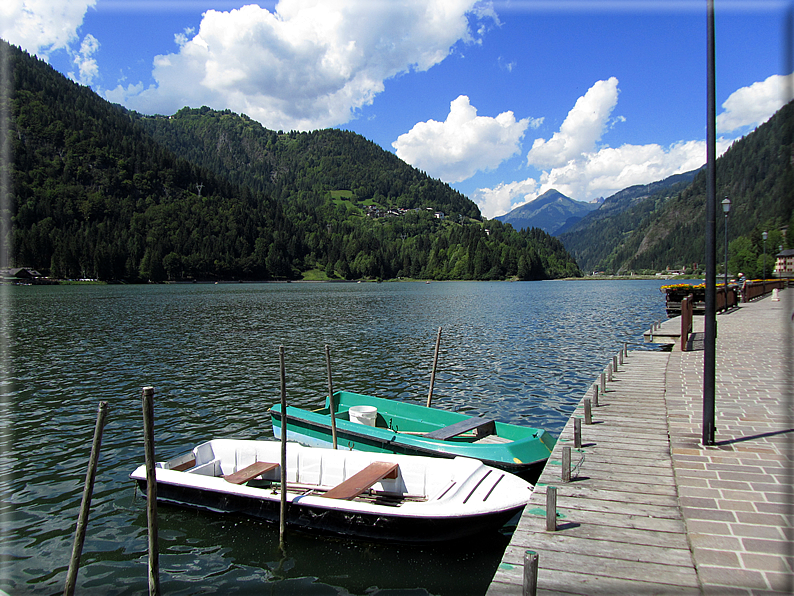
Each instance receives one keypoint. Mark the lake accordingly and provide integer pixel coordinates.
(522, 352)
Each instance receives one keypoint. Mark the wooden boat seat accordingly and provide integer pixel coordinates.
(184, 466)
(361, 481)
(481, 427)
(250, 472)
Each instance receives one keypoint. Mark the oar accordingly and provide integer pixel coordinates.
(330, 393)
(435, 364)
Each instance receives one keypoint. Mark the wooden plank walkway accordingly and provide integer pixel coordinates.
(652, 510)
(620, 524)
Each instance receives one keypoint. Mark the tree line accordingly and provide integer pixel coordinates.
(101, 192)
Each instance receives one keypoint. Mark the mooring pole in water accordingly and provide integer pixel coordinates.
(282, 517)
(435, 363)
(85, 506)
(330, 394)
(151, 490)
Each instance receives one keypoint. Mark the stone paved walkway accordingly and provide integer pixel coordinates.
(652, 510)
(736, 497)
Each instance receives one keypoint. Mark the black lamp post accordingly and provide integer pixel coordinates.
(765, 235)
(726, 208)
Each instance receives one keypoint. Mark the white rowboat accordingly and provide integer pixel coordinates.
(378, 496)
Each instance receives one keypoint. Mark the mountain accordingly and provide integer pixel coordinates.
(667, 227)
(100, 192)
(550, 212)
(594, 236)
(315, 162)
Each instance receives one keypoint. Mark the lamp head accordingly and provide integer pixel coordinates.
(765, 235)
(726, 205)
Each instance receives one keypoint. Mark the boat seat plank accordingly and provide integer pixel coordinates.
(250, 472)
(185, 465)
(361, 481)
(481, 426)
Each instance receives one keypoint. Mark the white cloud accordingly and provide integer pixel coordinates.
(310, 63)
(577, 167)
(42, 26)
(754, 105)
(85, 62)
(581, 130)
(464, 143)
(500, 200)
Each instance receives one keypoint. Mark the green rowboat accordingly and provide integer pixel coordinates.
(411, 429)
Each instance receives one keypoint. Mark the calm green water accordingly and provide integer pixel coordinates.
(520, 352)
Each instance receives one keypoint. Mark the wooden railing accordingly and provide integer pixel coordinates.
(756, 289)
(727, 298)
(686, 320)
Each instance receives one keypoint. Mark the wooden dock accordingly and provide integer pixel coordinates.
(649, 509)
(620, 528)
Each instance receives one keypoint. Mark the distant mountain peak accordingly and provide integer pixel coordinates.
(550, 212)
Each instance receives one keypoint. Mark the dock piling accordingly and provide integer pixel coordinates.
(609, 372)
(615, 363)
(603, 383)
(566, 464)
(151, 490)
(435, 365)
(85, 505)
(577, 433)
(588, 413)
(551, 508)
(595, 395)
(625, 349)
(620, 357)
(282, 514)
(530, 587)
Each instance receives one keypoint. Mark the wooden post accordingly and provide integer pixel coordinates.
(620, 357)
(603, 383)
(588, 412)
(151, 490)
(282, 514)
(551, 508)
(566, 464)
(530, 587)
(625, 349)
(435, 363)
(615, 363)
(595, 395)
(85, 506)
(577, 433)
(609, 372)
(330, 395)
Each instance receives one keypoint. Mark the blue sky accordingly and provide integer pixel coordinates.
(504, 99)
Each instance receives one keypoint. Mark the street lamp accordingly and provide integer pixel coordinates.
(765, 235)
(726, 208)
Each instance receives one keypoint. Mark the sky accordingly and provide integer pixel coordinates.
(502, 99)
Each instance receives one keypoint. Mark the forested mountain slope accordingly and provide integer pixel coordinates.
(300, 168)
(668, 227)
(94, 195)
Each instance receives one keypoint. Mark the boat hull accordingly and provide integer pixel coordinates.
(366, 526)
(526, 453)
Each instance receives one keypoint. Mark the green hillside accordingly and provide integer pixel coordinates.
(100, 192)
